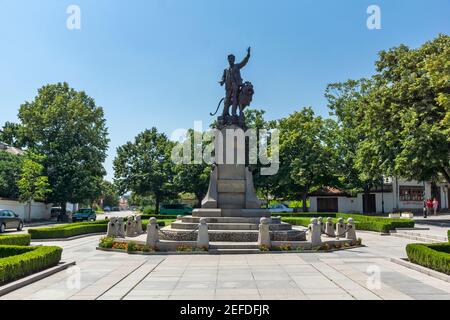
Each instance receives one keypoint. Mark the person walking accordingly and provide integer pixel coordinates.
(429, 206)
(435, 206)
(425, 209)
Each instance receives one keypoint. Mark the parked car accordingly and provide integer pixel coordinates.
(85, 214)
(10, 220)
(107, 209)
(115, 209)
(280, 208)
(175, 209)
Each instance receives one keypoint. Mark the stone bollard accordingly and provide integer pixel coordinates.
(179, 217)
(351, 229)
(112, 229)
(202, 236)
(130, 227)
(138, 226)
(340, 228)
(329, 227)
(152, 233)
(120, 228)
(321, 224)
(315, 233)
(264, 233)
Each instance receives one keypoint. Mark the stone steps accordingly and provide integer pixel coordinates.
(233, 245)
(169, 233)
(428, 238)
(229, 226)
(231, 212)
(191, 219)
(234, 251)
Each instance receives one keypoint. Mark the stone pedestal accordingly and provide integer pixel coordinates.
(231, 207)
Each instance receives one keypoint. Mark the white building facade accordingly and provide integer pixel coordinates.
(395, 195)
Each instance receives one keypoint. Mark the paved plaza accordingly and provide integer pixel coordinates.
(347, 274)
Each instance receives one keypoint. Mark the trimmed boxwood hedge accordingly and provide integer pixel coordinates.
(368, 223)
(20, 261)
(448, 235)
(434, 256)
(80, 228)
(15, 239)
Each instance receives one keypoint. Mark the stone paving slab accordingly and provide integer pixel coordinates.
(342, 275)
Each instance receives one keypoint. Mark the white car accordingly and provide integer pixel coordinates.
(275, 208)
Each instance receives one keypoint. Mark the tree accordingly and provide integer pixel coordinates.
(33, 185)
(10, 167)
(144, 167)
(407, 113)
(109, 194)
(68, 129)
(347, 102)
(10, 134)
(193, 177)
(307, 154)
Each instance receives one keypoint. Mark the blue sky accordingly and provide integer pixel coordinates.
(157, 62)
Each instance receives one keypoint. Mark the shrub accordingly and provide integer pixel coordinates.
(15, 240)
(285, 247)
(433, 256)
(184, 248)
(448, 235)
(148, 210)
(264, 247)
(69, 230)
(19, 261)
(159, 216)
(106, 242)
(132, 246)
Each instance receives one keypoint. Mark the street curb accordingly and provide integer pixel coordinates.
(421, 269)
(68, 239)
(34, 277)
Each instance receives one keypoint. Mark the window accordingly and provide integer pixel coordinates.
(411, 193)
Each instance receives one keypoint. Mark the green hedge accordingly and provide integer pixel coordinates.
(19, 261)
(75, 229)
(368, 223)
(448, 235)
(304, 215)
(15, 239)
(67, 231)
(433, 256)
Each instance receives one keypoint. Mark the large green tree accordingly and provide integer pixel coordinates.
(10, 168)
(144, 167)
(193, 177)
(347, 102)
(109, 194)
(68, 129)
(33, 184)
(407, 113)
(307, 154)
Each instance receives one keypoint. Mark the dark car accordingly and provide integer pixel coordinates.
(10, 220)
(85, 214)
(175, 209)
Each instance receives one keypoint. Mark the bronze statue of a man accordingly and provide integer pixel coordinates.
(233, 82)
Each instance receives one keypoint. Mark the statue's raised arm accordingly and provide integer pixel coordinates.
(244, 62)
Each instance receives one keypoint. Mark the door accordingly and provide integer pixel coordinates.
(371, 204)
(436, 193)
(327, 204)
(13, 222)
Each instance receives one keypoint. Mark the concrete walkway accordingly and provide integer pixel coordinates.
(362, 273)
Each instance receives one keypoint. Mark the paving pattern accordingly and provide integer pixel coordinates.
(362, 273)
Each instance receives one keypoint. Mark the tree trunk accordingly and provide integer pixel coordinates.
(366, 200)
(304, 198)
(29, 211)
(199, 200)
(157, 200)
